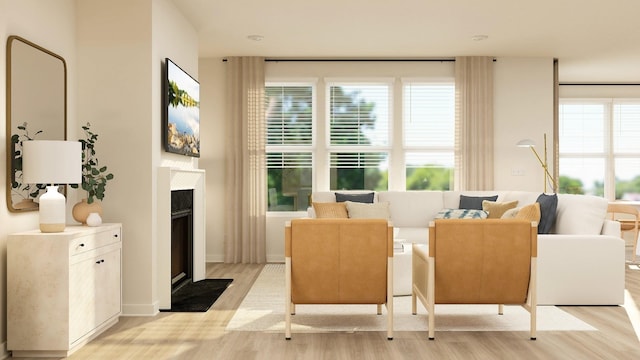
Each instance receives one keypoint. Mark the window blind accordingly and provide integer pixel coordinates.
(359, 114)
(429, 114)
(289, 113)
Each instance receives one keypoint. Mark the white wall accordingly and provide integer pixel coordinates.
(51, 25)
(121, 46)
(523, 108)
(212, 129)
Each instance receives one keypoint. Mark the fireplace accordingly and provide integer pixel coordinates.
(172, 179)
(181, 237)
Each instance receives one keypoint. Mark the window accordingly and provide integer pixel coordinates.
(429, 132)
(359, 119)
(351, 144)
(599, 150)
(289, 145)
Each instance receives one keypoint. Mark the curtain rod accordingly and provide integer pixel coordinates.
(354, 60)
(599, 84)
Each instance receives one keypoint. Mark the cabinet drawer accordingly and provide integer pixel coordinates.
(97, 240)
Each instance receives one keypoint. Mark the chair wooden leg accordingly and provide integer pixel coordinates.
(379, 310)
(287, 302)
(500, 309)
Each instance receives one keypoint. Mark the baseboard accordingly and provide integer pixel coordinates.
(216, 258)
(5, 353)
(141, 309)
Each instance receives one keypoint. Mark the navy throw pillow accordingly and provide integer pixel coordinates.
(474, 202)
(548, 206)
(361, 198)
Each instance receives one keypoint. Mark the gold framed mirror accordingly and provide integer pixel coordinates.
(36, 110)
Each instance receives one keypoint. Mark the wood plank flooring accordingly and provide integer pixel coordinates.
(202, 336)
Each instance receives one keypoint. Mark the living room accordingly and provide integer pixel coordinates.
(114, 52)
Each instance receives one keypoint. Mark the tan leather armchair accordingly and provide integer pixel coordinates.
(339, 261)
(490, 261)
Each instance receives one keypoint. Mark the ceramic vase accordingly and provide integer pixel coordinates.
(94, 219)
(82, 210)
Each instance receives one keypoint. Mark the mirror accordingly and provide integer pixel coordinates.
(36, 110)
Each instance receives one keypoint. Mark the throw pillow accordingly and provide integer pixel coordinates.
(330, 210)
(510, 214)
(530, 212)
(361, 198)
(548, 206)
(474, 202)
(378, 210)
(461, 214)
(497, 209)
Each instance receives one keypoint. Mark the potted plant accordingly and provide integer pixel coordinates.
(94, 178)
(26, 192)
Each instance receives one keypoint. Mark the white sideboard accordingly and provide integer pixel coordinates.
(63, 289)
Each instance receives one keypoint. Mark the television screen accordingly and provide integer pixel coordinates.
(181, 126)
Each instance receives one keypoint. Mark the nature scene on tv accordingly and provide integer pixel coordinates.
(183, 112)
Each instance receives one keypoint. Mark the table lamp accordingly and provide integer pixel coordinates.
(531, 144)
(52, 162)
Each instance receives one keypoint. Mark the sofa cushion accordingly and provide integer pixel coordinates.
(330, 210)
(580, 214)
(461, 214)
(361, 198)
(379, 210)
(548, 206)
(412, 208)
(529, 212)
(496, 209)
(474, 202)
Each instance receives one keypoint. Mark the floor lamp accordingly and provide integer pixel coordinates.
(531, 144)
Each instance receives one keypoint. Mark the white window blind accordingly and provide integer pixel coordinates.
(359, 114)
(289, 115)
(289, 160)
(429, 114)
(359, 160)
(626, 127)
(582, 129)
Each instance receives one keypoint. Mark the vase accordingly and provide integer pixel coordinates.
(82, 210)
(26, 204)
(94, 219)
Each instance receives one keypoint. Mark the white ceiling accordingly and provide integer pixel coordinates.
(594, 40)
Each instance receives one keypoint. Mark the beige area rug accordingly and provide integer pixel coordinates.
(263, 310)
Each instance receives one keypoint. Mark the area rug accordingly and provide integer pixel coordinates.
(263, 310)
(198, 296)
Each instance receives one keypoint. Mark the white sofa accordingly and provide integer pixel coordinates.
(581, 262)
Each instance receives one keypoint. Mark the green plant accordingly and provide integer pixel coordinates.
(25, 191)
(94, 176)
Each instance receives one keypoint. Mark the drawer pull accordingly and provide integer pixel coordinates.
(82, 245)
(100, 261)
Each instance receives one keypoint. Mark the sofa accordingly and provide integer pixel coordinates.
(580, 261)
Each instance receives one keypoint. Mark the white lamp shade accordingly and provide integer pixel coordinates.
(525, 143)
(51, 162)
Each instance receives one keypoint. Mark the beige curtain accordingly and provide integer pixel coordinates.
(474, 123)
(245, 181)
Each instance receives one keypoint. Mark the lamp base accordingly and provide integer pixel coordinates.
(52, 210)
(52, 228)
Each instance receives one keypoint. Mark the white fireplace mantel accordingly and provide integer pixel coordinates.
(170, 179)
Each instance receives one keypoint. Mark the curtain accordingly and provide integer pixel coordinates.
(474, 123)
(245, 180)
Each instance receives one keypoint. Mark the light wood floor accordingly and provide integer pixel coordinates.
(202, 335)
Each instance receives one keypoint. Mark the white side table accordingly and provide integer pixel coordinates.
(402, 272)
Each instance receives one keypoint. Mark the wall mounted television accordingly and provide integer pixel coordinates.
(181, 120)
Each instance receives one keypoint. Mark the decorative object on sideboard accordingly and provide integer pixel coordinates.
(52, 162)
(94, 219)
(94, 178)
(531, 144)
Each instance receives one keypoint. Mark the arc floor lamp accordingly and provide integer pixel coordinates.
(531, 144)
